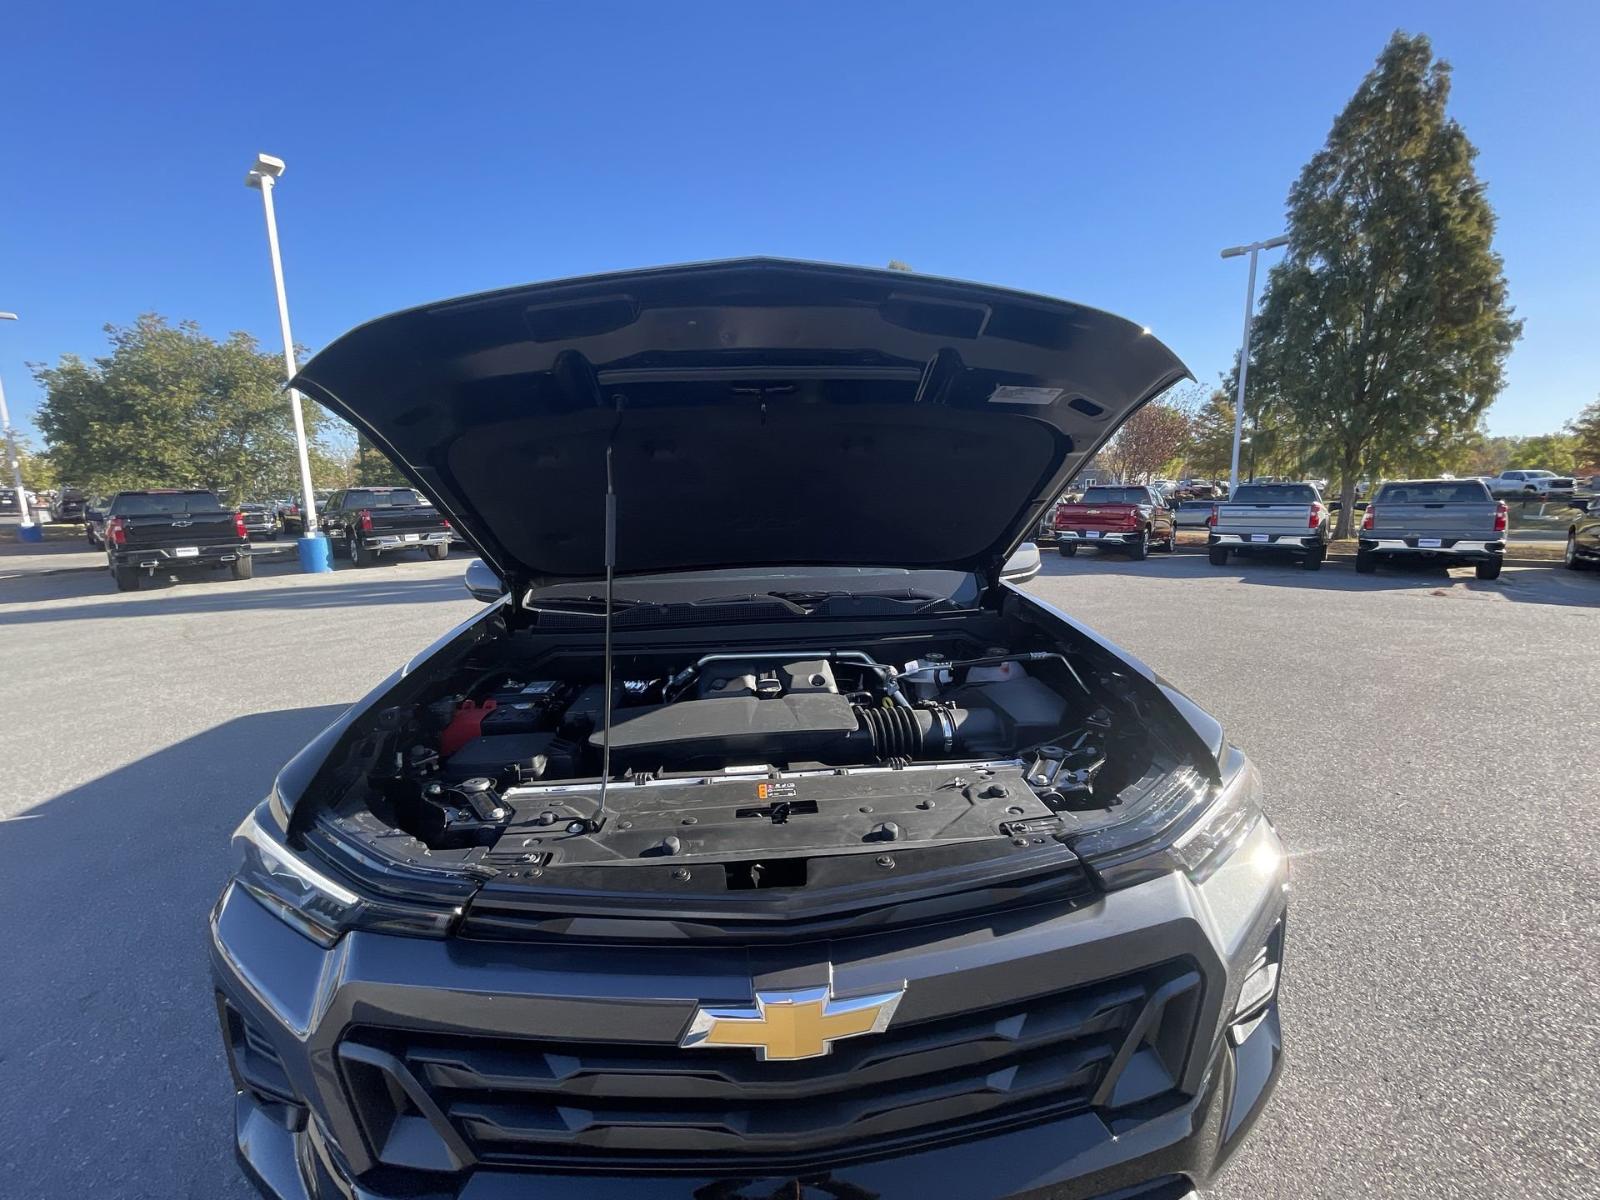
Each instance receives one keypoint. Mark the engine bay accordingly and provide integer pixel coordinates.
(765, 759)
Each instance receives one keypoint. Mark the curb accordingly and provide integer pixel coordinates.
(51, 571)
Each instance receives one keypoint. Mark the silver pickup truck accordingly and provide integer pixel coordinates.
(1455, 520)
(1274, 518)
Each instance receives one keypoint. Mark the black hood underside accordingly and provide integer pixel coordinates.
(757, 412)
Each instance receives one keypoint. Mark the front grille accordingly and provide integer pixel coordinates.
(653, 1106)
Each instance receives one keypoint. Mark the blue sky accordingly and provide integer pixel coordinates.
(1103, 153)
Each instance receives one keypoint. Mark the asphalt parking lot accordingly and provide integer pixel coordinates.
(1428, 742)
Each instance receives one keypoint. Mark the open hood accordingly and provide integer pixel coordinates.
(759, 412)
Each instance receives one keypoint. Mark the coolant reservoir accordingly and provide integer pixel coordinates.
(996, 672)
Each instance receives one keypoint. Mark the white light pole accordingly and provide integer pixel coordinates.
(1253, 249)
(27, 531)
(263, 174)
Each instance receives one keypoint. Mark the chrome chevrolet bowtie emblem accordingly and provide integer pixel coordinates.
(792, 1025)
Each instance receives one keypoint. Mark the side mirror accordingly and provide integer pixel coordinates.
(482, 583)
(1023, 564)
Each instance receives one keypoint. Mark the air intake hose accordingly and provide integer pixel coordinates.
(933, 729)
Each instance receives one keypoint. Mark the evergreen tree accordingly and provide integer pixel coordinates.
(1386, 328)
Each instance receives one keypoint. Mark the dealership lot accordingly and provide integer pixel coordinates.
(1428, 742)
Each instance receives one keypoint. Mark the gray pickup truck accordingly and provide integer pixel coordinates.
(1272, 518)
(1455, 520)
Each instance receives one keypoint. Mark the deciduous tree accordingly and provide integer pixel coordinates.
(1149, 440)
(1585, 430)
(171, 407)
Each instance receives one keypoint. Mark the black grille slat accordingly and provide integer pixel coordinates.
(784, 1125)
(531, 1102)
(586, 1071)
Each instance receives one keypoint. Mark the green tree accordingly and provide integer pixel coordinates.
(38, 472)
(170, 406)
(1556, 452)
(1211, 438)
(1386, 328)
(1585, 430)
(372, 469)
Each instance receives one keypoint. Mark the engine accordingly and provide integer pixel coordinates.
(450, 766)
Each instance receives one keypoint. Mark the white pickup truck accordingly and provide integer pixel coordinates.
(1273, 518)
(1530, 485)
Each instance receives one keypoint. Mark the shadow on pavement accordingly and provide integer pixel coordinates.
(1553, 585)
(112, 1081)
(202, 595)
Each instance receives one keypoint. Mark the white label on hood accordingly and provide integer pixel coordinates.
(1007, 394)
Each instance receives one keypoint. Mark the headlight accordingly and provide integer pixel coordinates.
(1193, 827)
(308, 897)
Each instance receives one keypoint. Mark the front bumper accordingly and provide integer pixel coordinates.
(304, 1135)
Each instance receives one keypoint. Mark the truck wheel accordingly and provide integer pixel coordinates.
(127, 578)
(360, 556)
(1137, 550)
(1366, 562)
(1312, 560)
(439, 550)
(1490, 569)
(1218, 556)
(1170, 546)
(243, 567)
(1067, 549)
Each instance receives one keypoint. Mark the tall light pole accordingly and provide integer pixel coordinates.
(314, 556)
(27, 531)
(1253, 249)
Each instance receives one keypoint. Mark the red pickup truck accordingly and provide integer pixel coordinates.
(1131, 519)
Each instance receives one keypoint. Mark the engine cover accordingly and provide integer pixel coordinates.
(799, 727)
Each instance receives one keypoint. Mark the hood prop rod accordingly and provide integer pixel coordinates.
(599, 818)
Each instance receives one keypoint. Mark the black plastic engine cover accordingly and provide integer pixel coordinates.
(792, 728)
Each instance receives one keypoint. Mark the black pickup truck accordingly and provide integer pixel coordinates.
(362, 523)
(172, 529)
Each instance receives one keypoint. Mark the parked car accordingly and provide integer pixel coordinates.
(67, 505)
(260, 521)
(38, 503)
(363, 523)
(1196, 489)
(289, 517)
(1193, 514)
(1270, 518)
(1531, 485)
(1131, 519)
(165, 529)
(1583, 540)
(504, 930)
(1454, 520)
(94, 520)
